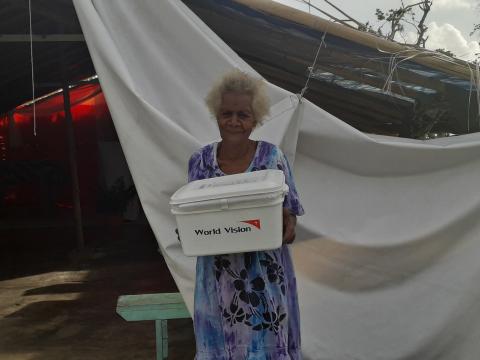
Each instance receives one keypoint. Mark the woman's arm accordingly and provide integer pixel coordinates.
(289, 223)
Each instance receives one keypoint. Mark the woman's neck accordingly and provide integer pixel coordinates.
(235, 151)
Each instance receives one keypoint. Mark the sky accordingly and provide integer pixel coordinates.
(450, 21)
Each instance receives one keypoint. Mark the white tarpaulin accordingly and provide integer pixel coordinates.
(396, 273)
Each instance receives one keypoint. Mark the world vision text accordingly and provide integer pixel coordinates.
(226, 230)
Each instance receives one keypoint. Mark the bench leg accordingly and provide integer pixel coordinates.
(161, 334)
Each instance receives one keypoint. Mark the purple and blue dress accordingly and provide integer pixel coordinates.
(246, 304)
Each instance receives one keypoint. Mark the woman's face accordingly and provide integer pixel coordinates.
(235, 117)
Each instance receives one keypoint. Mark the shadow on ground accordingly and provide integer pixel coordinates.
(51, 308)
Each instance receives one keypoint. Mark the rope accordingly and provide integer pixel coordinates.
(393, 64)
(33, 74)
(312, 68)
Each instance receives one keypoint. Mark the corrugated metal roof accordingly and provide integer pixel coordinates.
(363, 94)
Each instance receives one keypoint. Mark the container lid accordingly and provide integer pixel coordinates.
(228, 186)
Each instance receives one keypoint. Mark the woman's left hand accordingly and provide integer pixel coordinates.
(289, 223)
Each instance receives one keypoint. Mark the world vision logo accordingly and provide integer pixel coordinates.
(230, 229)
(254, 222)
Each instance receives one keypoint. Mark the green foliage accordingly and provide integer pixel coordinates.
(405, 15)
(476, 28)
(446, 52)
(393, 14)
(380, 15)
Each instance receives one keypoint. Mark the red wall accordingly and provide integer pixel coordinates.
(20, 148)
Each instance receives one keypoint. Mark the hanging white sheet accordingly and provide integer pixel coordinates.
(387, 261)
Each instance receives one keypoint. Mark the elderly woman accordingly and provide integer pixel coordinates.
(246, 304)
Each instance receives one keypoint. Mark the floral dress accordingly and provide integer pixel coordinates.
(246, 304)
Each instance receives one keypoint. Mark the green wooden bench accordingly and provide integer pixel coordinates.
(157, 307)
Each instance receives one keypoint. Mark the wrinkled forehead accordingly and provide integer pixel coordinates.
(236, 101)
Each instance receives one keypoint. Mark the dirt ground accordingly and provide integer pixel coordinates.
(56, 306)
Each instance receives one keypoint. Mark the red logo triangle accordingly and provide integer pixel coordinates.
(254, 222)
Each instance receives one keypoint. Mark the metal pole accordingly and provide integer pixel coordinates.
(73, 169)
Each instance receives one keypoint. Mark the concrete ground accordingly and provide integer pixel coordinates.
(53, 307)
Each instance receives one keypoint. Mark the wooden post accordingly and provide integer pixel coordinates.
(73, 169)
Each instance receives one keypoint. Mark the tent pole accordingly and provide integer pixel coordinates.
(73, 169)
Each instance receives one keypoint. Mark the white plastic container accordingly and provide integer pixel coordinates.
(230, 214)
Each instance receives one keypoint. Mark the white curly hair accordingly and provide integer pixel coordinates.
(237, 81)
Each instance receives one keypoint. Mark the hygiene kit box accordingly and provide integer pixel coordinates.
(230, 214)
